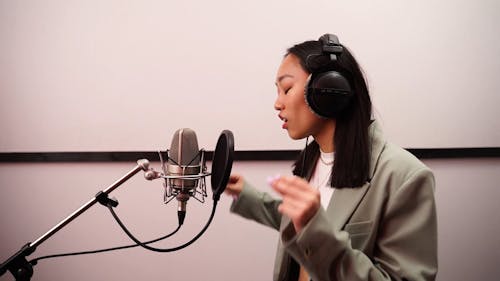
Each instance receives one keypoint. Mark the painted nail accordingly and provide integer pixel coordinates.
(271, 179)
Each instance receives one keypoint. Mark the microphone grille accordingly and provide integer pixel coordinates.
(184, 148)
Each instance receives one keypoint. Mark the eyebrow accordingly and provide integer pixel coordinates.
(283, 77)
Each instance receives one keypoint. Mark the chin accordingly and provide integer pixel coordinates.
(296, 135)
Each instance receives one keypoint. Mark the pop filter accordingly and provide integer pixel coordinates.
(222, 163)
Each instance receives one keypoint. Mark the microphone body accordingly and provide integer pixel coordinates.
(183, 168)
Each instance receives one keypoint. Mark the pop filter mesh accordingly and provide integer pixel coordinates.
(222, 163)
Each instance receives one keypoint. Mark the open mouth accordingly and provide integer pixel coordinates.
(285, 122)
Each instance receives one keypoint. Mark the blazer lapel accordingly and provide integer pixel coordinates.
(343, 204)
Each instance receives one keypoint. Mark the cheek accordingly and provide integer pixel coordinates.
(308, 123)
(299, 103)
(311, 121)
(306, 112)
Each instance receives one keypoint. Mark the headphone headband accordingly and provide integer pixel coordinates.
(328, 93)
(330, 45)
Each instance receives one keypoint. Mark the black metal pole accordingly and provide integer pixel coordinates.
(17, 263)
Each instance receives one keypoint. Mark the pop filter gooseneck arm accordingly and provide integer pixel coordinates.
(222, 164)
(17, 264)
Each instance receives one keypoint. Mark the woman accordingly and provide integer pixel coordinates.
(357, 207)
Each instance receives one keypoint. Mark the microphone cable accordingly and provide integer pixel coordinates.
(110, 206)
(145, 246)
(35, 260)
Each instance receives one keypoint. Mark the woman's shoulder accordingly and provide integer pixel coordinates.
(398, 163)
(391, 163)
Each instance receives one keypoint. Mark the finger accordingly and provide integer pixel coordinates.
(289, 211)
(293, 203)
(297, 182)
(289, 192)
(292, 188)
(234, 185)
(305, 203)
(233, 178)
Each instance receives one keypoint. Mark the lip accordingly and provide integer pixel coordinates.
(285, 122)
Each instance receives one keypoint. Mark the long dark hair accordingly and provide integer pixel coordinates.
(351, 140)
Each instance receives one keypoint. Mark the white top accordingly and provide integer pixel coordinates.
(321, 177)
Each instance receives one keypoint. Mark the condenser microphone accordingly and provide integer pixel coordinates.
(183, 168)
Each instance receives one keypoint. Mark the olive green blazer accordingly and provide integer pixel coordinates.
(383, 230)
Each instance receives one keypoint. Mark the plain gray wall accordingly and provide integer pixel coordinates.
(34, 197)
(124, 75)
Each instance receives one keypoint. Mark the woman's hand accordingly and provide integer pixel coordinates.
(300, 200)
(234, 185)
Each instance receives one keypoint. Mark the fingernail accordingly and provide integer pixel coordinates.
(271, 179)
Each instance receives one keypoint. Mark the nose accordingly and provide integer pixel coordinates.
(278, 103)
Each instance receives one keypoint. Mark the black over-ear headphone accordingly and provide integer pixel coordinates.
(328, 93)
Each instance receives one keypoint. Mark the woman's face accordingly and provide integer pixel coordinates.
(297, 117)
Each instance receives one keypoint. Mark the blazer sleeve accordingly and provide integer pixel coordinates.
(406, 247)
(258, 206)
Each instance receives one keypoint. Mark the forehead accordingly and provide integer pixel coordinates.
(290, 66)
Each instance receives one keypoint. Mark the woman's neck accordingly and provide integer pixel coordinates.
(324, 137)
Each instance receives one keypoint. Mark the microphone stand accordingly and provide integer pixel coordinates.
(17, 264)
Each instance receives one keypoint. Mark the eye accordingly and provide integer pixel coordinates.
(287, 90)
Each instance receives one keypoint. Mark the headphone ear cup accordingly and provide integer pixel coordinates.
(328, 94)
